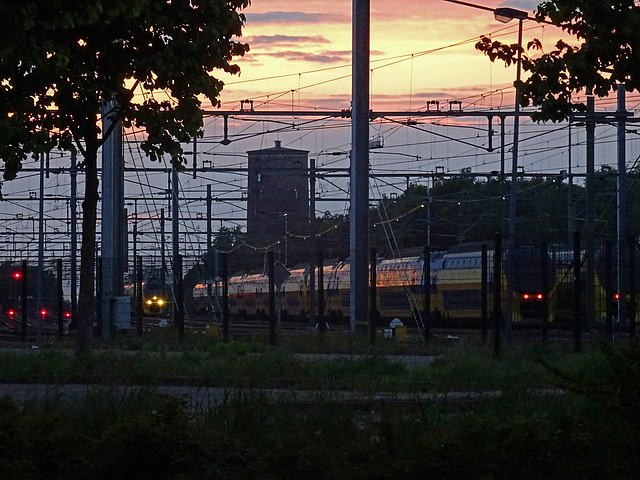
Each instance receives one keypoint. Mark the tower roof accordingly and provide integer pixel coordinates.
(278, 149)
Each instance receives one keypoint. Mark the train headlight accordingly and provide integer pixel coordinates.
(149, 302)
(160, 302)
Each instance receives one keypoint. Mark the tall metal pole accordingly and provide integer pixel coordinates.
(622, 206)
(112, 225)
(312, 241)
(513, 199)
(175, 240)
(570, 213)
(163, 251)
(40, 276)
(359, 163)
(211, 273)
(60, 300)
(502, 146)
(25, 319)
(589, 241)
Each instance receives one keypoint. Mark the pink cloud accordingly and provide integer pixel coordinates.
(295, 18)
(285, 40)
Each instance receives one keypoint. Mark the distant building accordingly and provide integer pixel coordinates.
(278, 201)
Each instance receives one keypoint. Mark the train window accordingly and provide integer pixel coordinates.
(462, 299)
(394, 301)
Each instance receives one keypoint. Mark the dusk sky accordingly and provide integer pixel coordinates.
(419, 51)
(300, 58)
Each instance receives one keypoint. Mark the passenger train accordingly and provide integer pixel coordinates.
(156, 297)
(538, 285)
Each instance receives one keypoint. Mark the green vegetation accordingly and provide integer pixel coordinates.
(461, 208)
(588, 431)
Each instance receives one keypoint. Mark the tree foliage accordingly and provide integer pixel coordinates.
(61, 60)
(608, 54)
(464, 208)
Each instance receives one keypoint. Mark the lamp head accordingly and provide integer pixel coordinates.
(506, 14)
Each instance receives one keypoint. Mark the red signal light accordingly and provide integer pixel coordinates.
(525, 296)
(67, 314)
(616, 296)
(17, 275)
(539, 296)
(43, 312)
(11, 313)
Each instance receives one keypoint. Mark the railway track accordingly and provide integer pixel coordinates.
(241, 328)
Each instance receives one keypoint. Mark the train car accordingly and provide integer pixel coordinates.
(454, 286)
(156, 297)
(604, 290)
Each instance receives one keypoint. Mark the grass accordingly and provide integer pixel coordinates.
(590, 432)
(201, 361)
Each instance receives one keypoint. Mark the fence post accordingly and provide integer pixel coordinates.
(632, 308)
(426, 292)
(497, 295)
(138, 299)
(179, 296)
(272, 299)
(60, 299)
(608, 287)
(484, 290)
(577, 293)
(321, 322)
(225, 297)
(544, 273)
(373, 313)
(25, 319)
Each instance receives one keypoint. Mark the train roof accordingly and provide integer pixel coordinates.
(469, 247)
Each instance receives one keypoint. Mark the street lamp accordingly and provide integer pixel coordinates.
(505, 15)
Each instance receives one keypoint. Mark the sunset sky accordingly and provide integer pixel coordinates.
(300, 59)
(420, 50)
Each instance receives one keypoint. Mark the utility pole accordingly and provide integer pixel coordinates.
(175, 241)
(622, 205)
(570, 212)
(40, 276)
(163, 251)
(112, 220)
(312, 241)
(74, 237)
(359, 161)
(590, 230)
(210, 256)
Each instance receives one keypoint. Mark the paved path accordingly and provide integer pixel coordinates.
(200, 398)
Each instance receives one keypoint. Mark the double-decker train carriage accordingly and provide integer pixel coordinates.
(454, 286)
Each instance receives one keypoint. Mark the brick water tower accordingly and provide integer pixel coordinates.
(278, 201)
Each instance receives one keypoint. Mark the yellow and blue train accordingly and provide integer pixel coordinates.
(536, 282)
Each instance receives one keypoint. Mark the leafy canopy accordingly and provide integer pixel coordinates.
(608, 54)
(59, 60)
